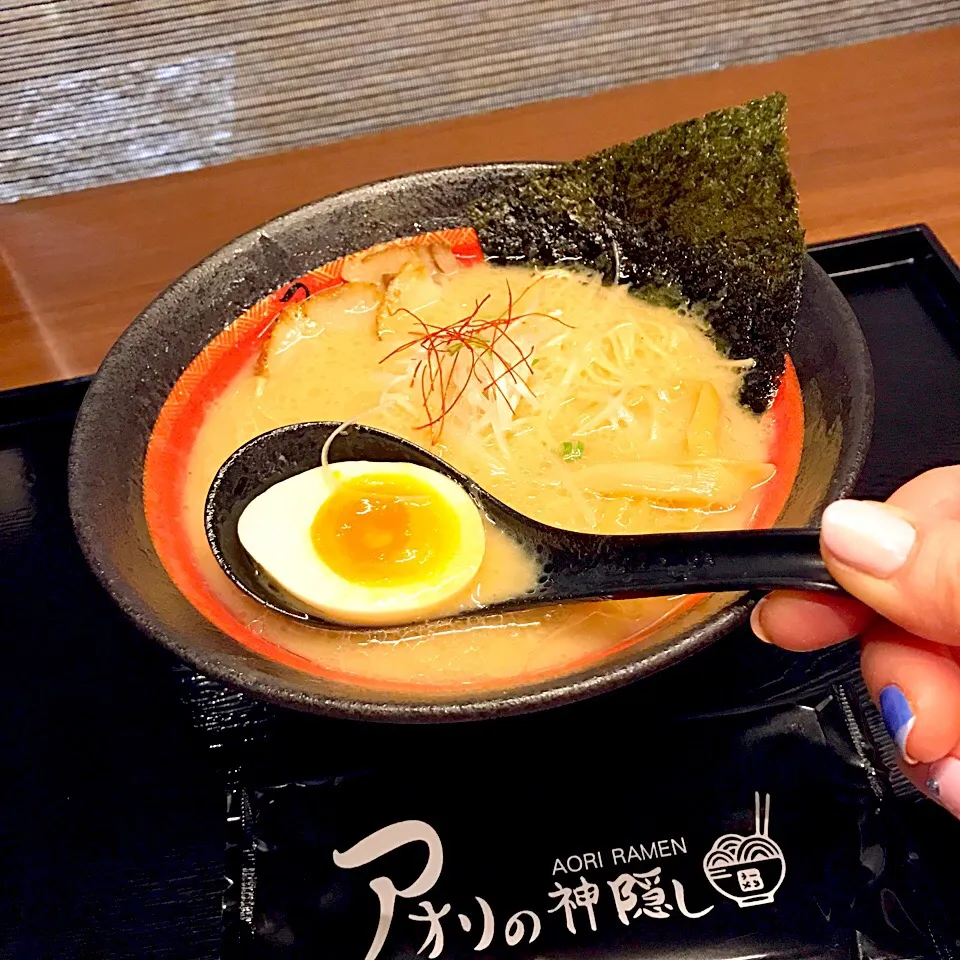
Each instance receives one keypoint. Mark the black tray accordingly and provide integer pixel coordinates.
(114, 757)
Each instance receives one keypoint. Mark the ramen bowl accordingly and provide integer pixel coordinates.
(122, 406)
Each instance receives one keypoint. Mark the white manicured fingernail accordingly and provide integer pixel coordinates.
(756, 625)
(867, 537)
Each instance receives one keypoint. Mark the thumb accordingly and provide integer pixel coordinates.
(904, 565)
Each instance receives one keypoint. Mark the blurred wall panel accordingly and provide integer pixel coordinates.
(100, 91)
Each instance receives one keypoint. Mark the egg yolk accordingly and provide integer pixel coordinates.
(386, 531)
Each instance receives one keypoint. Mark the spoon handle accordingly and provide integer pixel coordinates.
(648, 565)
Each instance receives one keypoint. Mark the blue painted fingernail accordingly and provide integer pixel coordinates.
(898, 717)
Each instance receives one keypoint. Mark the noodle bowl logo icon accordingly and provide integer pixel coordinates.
(747, 869)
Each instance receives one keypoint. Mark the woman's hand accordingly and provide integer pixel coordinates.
(901, 561)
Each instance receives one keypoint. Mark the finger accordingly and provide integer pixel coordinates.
(808, 621)
(916, 685)
(934, 495)
(939, 780)
(904, 565)
(799, 621)
(942, 782)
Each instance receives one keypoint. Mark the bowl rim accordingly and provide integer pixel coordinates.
(565, 689)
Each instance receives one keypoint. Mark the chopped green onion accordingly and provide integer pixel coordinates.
(571, 451)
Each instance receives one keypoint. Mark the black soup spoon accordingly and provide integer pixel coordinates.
(573, 566)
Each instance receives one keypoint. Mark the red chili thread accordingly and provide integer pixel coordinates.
(443, 347)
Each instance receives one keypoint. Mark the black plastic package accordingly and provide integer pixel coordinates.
(766, 833)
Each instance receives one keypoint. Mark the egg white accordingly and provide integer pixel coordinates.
(275, 530)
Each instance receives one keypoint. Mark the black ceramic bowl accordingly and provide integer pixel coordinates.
(118, 414)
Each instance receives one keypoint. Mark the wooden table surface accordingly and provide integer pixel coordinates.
(875, 143)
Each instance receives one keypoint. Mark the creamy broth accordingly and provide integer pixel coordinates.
(623, 418)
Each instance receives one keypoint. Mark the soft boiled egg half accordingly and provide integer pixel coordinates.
(367, 543)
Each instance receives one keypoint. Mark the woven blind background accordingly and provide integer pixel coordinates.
(100, 91)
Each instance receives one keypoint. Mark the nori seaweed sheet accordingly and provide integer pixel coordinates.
(704, 211)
